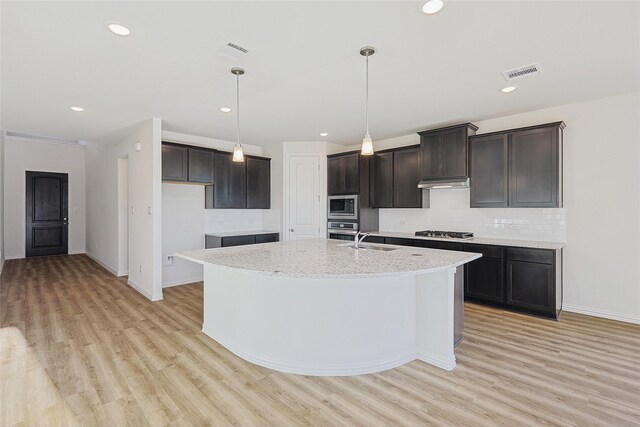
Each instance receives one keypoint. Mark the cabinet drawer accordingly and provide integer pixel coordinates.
(436, 244)
(237, 241)
(398, 241)
(542, 256)
(374, 239)
(487, 251)
(267, 238)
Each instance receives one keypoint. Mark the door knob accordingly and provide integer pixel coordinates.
(291, 230)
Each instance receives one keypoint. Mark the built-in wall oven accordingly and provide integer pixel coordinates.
(342, 230)
(343, 208)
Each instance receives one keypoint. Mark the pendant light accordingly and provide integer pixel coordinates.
(238, 154)
(367, 143)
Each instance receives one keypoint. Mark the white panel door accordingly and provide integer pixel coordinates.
(304, 197)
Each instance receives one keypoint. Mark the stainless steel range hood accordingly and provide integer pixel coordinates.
(436, 184)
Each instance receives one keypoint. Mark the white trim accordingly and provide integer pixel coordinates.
(359, 369)
(446, 364)
(601, 313)
(102, 264)
(182, 282)
(76, 252)
(144, 292)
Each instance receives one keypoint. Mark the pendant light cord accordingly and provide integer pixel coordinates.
(366, 107)
(238, 107)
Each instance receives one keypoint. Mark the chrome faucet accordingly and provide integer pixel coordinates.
(358, 239)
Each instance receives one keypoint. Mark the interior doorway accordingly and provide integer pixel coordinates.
(47, 213)
(302, 197)
(123, 216)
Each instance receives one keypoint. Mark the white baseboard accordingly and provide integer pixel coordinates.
(601, 313)
(102, 264)
(76, 252)
(182, 282)
(144, 292)
(446, 364)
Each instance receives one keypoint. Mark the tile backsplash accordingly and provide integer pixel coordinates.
(450, 211)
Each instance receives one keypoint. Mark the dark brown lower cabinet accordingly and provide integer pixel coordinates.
(437, 244)
(213, 241)
(398, 241)
(531, 280)
(338, 236)
(485, 276)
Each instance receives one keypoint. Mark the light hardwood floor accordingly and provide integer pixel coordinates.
(80, 347)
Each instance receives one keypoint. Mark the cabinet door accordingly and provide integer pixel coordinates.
(531, 285)
(430, 156)
(237, 241)
(533, 168)
(406, 175)
(334, 176)
(382, 180)
(258, 183)
(485, 279)
(489, 171)
(174, 163)
(267, 238)
(453, 149)
(398, 241)
(200, 166)
(229, 190)
(350, 165)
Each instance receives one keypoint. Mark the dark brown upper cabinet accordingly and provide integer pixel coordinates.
(394, 178)
(258, 182)
(201, 166)
(230, 189)
(534, 175)
(175, 160)
(489, 170)
(519, 168)
(343, 173)
(444, 152)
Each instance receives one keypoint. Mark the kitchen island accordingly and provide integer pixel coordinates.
(321, 307)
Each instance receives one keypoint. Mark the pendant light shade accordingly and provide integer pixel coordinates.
(367, 142)
(238, 153)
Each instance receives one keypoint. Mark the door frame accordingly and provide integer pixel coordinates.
(25, 206)
(322, 189)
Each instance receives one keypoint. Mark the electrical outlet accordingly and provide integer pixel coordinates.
(170, 260)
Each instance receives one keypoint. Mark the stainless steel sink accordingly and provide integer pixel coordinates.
(367, 246)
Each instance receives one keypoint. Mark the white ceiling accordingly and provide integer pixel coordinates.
(304, 72)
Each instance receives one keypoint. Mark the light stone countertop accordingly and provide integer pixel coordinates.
(478, 240)
(323, 258)
(239, 233)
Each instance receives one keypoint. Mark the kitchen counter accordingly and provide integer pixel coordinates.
(320, 258)
(239, 233)
(318, 307)
(478, 240)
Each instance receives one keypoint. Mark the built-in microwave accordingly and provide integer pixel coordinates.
(343, 207)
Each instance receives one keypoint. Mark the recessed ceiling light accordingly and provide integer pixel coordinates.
(432, 6)
(77, 109)
(119, 29)
(324, 134)
(508, 89)
(225, 109)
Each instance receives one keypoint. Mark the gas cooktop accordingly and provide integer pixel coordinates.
(445, 234)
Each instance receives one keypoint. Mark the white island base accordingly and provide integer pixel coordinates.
(334, 326)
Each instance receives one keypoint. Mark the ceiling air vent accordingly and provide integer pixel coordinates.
(520, 72)
(232, 51)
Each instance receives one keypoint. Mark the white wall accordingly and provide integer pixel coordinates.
(601, 217)
(145, 196)
(1, 200)
(21, 155)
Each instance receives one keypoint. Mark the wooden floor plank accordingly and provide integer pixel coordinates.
(78, 346)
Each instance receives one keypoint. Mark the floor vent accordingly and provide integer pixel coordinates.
(520, 72)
